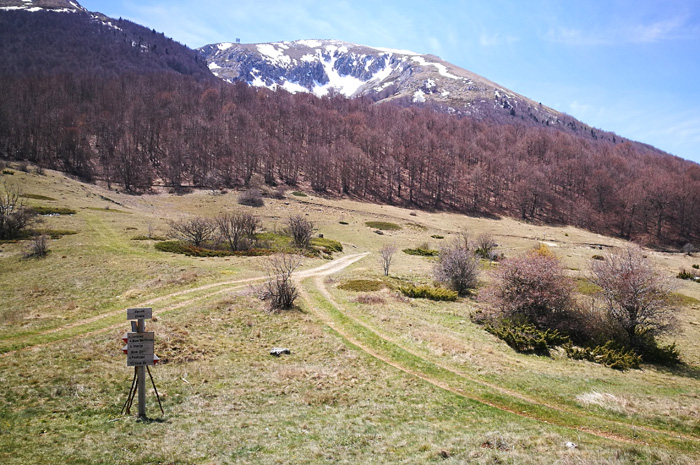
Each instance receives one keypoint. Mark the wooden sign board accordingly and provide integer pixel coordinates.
(145, 313)
(141, 360)
(140, 343)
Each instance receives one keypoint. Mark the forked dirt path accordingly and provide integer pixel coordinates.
(326, 319)
(322, 270)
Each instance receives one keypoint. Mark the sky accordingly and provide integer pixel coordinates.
(627, 66)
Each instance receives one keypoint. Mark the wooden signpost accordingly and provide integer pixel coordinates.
(140, 354)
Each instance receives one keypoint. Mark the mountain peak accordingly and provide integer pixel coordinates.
(326, 67)
(62, 6)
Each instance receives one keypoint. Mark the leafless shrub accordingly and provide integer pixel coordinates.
(14, 216)
(386, 254)
(457, 268)
(39, 247)
(279, 290)
(193, 230)
(484, 246)
(251, 198)
(532, 286)
(238, 229)
(301, 230)
(688, 249)
(279, 193)
(634, 294)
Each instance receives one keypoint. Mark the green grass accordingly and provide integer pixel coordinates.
(383, 225)
(108, 210)
(396, 381)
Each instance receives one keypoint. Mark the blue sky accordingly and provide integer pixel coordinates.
(632, 67)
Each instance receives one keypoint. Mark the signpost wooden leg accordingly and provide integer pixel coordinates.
(141, 378)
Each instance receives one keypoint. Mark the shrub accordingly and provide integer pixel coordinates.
(610, 354)
(532, 286)
(193, 251)
(279, 290)
(39, 247)
(689, 275)
(437, 236)
(237, 229)
(193, 230)
(343, 222)
(429, 292)
(14, 216)
(635, 296)
(251, 198)
(301, 231)
(527, 338)
(484, 247)
(696, 267)
(598, 257)
(327, 246)
(383, 225)
(299, 194)
(148, 238)
(386, 254)
(422, 252)
(370, 299)
(53, 211)
(457, 269)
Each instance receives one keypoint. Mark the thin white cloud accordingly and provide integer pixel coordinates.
(614, 34)
(496, 40)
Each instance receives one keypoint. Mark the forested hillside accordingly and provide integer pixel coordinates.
(110, 100)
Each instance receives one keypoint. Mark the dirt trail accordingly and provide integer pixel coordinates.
(322, 270)
(444, 385)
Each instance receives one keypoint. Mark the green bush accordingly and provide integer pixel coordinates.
(326, 245)
(362, 285)
(526, 338)
(146, 238)
(687, 275)
(437, 236)
(610, 354)
(8, 172)
(429, 292)
(53, 211)
(422, 252)
(383, 225)
(696, 266)
(299, 194)
(343, 222)
(598, 257)
(192, 251)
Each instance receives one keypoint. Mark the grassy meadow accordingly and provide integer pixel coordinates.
(373, 377)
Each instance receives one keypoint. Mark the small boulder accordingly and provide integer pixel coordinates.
(277, 351)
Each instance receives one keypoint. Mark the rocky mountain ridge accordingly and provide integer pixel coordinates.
(325, 67)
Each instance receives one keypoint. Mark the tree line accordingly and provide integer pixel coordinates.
(141, 130)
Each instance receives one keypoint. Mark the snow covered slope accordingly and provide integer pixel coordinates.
(324, 67)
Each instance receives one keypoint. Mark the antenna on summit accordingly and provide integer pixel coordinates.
(238, 41)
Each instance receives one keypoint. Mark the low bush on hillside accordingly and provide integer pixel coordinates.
(422, 252)
(299, 194)
(184, 248)
(37, 197)
(53, 211)
(527, 338)
(437, 236)
(326, 246)
(383, 225)
(362, 285)
(151, 238)
(251, 198)
(429, 292)
(610, 354)
(688, 275)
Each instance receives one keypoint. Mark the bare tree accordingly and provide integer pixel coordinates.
(457, 268)
(14, 216)
(194, 230)
(279, 289)
(301, 230)
(386, 254)
(636, 297)
(238, 229)
(251, 197)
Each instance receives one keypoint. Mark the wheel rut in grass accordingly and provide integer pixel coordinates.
(391, 352)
